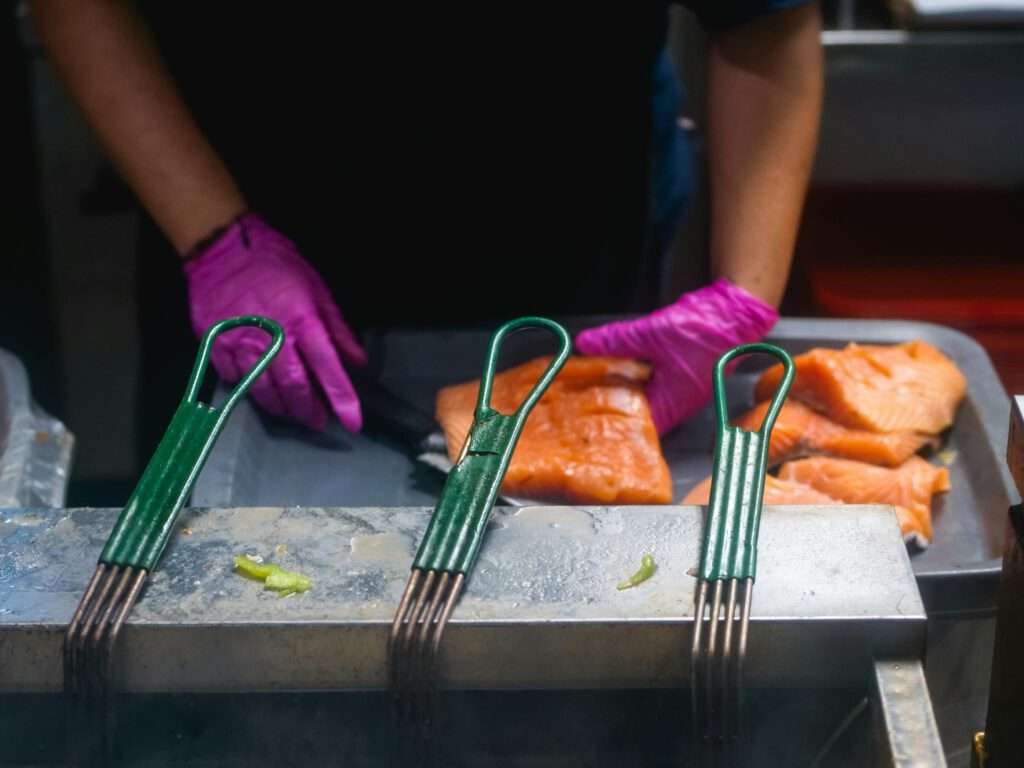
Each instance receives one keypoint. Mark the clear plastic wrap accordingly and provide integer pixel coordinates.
(35, 448)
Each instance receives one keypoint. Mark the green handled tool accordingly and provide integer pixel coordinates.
(729, 557)
(145, 524)
(456, 530)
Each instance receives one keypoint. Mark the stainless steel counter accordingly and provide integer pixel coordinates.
(834, 592)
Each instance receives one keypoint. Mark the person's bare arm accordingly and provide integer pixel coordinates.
(765, 84)
(109, 62)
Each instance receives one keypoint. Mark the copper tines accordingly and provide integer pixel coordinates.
(716, 659)
(94, 629)
(427, 604)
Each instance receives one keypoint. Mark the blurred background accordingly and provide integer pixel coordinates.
(914, 209)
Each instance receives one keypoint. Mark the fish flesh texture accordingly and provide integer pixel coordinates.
(800, 431)
(590, 439)
(903, 387)
(909, 488)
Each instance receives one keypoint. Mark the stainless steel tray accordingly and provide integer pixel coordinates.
(259, 461)
(543, 589)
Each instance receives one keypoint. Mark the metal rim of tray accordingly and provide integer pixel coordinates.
(993, 400)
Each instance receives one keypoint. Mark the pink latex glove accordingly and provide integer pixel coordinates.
(251, 269)
(684, 341)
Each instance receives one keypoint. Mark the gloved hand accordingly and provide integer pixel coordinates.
(251, 269)
(684, 341)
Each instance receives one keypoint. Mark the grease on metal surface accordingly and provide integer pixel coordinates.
(391, 551)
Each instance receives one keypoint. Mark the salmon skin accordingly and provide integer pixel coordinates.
(905, 387)
(775, 492)
(590, 439)
(799, 431)
(909, 488)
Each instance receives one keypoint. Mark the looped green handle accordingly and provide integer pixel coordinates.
(145, 524)
(456, 529)
(738, 478)
(483, 400)
(721, 408)
(195, 381)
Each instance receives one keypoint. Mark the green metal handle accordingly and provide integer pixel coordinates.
(738, 477)
(483, 399)
(195, 380)
(456, 529)
(145, 524)
(721, 407)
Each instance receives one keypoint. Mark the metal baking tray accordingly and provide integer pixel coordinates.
(261, 461)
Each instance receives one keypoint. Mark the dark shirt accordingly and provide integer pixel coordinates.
(441, 164)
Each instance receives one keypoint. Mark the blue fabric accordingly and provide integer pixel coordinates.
(672, 162)
(720, 14)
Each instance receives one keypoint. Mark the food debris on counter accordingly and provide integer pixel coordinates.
(273, 576)
(647, 569)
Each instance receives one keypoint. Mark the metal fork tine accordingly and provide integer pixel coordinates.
(138, 580)
(741, 656)
(726, 688)
(696, 652)
(75, 626)
(434, 644)
(415, 612)
(81, 647)
(712, 657)
(88, 651)
(420, 649)
(94, 638)
(446, 614)
(401, 617)
(406, 660)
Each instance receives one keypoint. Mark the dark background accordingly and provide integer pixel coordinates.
(914, 212)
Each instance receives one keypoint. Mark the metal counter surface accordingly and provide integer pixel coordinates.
(834, 591)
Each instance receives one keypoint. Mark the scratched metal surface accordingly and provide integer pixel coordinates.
(835, 589)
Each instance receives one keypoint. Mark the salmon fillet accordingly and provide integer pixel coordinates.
(909, 488)
(905, 387)
(799, 431)
(590, 439)
(775, 492)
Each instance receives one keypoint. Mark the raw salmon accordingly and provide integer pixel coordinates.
(909, 488)
(775, 492)
(590, 439)
(905, 387)
(799, 431)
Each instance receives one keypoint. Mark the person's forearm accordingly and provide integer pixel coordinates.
(105, 55)
(764, 105)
